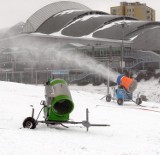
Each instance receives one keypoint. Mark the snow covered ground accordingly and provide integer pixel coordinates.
(134, 130)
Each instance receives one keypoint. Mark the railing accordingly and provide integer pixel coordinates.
(134, 63)
(142, 64)
(81, 78)
(37, 77)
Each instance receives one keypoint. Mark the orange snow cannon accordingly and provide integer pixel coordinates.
(124, 92)
(128, 83)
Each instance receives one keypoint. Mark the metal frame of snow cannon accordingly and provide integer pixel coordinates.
(31, 122)
(121, 94)
(56, 108)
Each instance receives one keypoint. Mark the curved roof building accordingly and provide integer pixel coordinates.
(42, 15)
(71, 19)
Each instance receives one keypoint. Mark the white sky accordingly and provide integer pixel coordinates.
(14, 11)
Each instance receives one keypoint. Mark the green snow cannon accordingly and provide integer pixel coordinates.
(59, 102)
(57, 107)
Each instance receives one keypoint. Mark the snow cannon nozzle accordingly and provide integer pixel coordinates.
(129, 84)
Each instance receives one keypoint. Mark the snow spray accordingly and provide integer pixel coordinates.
(84, 62)
(40, 51)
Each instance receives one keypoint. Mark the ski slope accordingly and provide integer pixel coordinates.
(134, 130)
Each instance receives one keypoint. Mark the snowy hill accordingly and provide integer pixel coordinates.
(134, 130)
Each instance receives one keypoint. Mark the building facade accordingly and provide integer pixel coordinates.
(136, 10)
(30, 52)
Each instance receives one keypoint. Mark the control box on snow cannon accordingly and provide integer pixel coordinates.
(58, 104)
(126, 87)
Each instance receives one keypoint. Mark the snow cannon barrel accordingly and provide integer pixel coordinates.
(61, 100)
(129, 84)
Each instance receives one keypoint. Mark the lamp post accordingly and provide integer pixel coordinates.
(159, 60)
(122, 46)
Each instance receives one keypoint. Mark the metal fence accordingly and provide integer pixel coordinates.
(37, 77)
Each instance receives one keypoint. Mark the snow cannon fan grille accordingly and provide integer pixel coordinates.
(63, 107)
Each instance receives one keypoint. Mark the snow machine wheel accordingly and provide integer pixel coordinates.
(120, 101)
(108, 98)
(138, 101)
(29, 123)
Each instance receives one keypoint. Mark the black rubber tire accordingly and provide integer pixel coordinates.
(138, 101)
(120, 101)
(29, 123)
(108, 98)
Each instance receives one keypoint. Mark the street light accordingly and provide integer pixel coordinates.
(159, 60)
(122, 47)
(123, 25)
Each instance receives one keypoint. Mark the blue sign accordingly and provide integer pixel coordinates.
(60, 72)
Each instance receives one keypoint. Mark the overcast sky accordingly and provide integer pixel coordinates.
(14, 11)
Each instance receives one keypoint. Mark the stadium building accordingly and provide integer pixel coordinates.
(29, 52)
